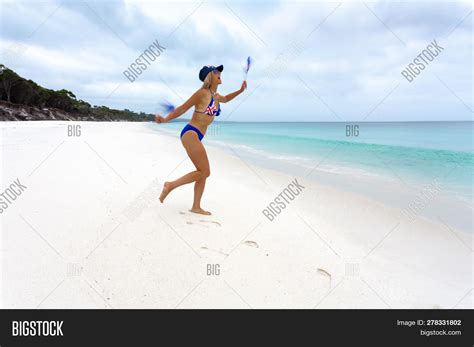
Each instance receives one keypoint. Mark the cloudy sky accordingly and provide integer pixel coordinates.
(313, 61)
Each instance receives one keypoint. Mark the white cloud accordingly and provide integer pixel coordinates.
(352, 59)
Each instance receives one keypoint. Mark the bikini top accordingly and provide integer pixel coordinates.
(212, 109)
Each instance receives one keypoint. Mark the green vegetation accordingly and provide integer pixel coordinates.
(17, 90)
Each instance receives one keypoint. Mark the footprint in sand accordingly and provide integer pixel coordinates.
(201, 220)
(210, 221)
(251, 244)
(201, 225)
(325, 273)
(214, 250)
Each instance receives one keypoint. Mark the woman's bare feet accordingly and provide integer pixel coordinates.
(200, 211)
(166, 190)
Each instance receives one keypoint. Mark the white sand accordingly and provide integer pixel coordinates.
(79, 236)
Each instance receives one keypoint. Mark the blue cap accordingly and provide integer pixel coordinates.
(206, 69)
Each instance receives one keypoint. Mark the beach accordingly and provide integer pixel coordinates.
(88, 231)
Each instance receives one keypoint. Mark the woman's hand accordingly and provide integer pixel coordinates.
(244, 86)
(159, 119)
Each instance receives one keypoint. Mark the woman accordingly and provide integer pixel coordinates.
(206, 104)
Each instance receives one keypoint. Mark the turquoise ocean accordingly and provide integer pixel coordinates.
(410, 152)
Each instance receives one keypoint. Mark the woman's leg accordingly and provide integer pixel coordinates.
(198, 190)
(197, 154)
(202, 164)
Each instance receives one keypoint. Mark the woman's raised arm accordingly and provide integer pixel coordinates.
(230, 96)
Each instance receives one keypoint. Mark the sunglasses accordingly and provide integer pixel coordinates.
(216, 72)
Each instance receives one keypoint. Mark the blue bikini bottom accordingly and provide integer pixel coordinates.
(189, 127)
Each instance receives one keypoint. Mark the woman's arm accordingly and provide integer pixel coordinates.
(230, 96)
(180, 109)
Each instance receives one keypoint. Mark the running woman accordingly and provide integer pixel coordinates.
(206, 102)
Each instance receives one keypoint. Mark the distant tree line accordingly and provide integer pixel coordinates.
(15, 89)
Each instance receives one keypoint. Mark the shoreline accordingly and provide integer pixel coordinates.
(430, 200)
